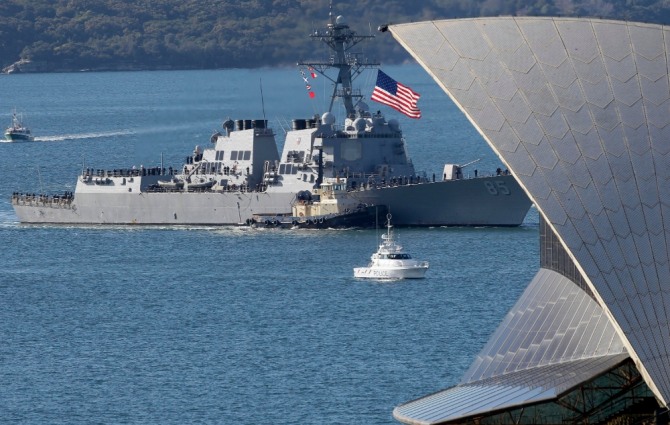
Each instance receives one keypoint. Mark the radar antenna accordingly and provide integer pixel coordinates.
(340, 39)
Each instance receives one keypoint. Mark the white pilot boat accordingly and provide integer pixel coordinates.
(390, 261)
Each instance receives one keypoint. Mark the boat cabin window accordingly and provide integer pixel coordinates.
(240, 155)
(219, 155)
(287, 169)
(399, 256)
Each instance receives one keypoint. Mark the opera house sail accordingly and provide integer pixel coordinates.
(579, 111)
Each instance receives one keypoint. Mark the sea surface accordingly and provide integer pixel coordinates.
(174, 325)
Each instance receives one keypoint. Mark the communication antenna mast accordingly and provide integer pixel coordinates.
(39, 175)
(341, 39)
(262, 98)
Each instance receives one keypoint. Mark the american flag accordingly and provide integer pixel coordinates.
(399, 97)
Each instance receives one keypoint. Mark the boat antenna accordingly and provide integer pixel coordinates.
(262, 99)
(39, 175)
(376, 223)
(281, 124)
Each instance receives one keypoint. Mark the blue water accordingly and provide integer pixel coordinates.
(154, 325)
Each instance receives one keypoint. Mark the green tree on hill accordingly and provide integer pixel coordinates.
(63, 35)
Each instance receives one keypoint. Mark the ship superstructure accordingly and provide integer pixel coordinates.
(241, 173)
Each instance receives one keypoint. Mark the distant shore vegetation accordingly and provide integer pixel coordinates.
(72, 35)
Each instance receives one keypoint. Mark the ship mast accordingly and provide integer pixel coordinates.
(340, 39)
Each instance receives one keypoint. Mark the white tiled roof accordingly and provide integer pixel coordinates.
(579, 111)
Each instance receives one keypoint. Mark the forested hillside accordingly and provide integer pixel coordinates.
(59, 35)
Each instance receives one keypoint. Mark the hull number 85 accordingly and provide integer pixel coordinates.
(497, 187)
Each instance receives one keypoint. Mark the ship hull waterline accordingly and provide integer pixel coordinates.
(488, 201)
(18, 138)
(390, 273)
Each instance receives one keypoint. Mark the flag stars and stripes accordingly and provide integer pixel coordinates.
(396, 95)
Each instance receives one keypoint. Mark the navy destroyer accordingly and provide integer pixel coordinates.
(242, 175)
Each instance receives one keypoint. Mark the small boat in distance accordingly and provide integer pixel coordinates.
(390, 261)
(173, 184)
(17, 131)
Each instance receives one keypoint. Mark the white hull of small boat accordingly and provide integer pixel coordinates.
(13, 136)
(201, 184)
(17, 132)
(391, 261)
(392, 274)
(172, 184)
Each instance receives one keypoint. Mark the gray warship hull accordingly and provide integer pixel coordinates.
(485, 201)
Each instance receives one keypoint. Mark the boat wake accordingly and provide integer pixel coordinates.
(63, 137)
